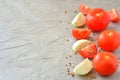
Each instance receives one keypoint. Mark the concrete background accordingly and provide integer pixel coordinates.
(35, 37)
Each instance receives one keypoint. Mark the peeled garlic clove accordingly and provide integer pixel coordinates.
(80, 44)
(79, 20)
(84, 67)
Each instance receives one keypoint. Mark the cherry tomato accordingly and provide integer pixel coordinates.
(97, 20)
(89, 51)
(109, 40)
(80, 33)
(114, 15)
(84, 9)
(105, 63)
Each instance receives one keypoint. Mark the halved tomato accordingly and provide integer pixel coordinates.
(80, 33)
(114, 15)
(84, 9)
(89, 51)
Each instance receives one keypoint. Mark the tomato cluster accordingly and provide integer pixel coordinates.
(113, 14)
(105, 63)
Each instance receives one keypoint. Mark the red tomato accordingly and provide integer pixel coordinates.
(114, 15)
(105, 63)
(109, 40)
(97, 20)
(89, 51)
(80, 33)
(84, 9)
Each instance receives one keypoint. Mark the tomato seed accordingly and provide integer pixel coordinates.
(70, 64)
(75, 11)
(65, 12)
(66, 28)
(67, 40)
(66, 65)
(72, 74)
(68, 73)
(66, 57)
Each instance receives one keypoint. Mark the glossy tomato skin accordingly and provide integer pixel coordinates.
(97, 20)
(105, 63)
(84, 9)
(109, 40)
(89, 51)
(80, 33)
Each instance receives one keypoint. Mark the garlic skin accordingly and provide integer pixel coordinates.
(80, 44)
(79, 20)
(84, 67)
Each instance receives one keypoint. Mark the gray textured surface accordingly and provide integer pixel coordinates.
(33, 37)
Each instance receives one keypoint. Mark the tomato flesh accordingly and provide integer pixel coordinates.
(114, 15)
(109, 40)
(80, 33)
(84, 9)
(97, 20)
(89, 51)
(105, 63)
